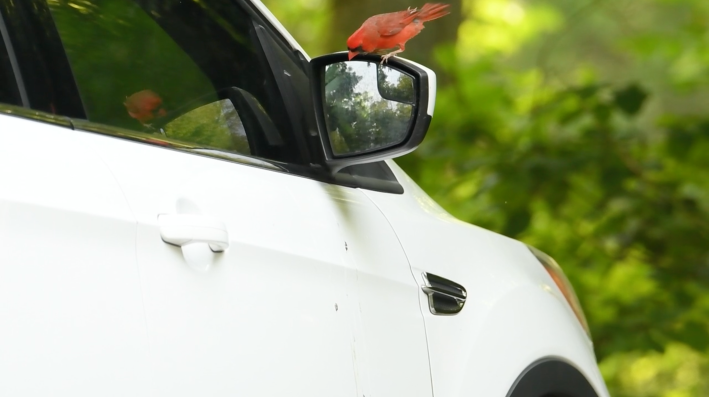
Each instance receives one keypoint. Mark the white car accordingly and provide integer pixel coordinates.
(190, 206)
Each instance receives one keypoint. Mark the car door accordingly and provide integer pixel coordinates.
(70, 297)
(267, 315)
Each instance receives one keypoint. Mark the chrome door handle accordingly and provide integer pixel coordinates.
(444, 296)
(182, 229)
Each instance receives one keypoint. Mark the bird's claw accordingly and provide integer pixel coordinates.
(385, 58)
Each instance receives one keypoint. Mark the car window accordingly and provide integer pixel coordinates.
(192, 71)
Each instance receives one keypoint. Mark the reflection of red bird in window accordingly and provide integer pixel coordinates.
(144, 106)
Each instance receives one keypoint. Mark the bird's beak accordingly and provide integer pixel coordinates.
(351, 55)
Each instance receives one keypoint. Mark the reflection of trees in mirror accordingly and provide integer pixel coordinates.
(215, 125)
(358, 118)
(395, 86)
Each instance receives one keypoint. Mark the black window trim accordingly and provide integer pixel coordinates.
(17, 73)
(37, 45)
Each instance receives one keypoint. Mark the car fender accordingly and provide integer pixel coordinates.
(514, 315)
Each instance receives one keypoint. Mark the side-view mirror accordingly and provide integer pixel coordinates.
(367, 111)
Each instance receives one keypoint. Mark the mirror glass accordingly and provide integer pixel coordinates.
(368, 106)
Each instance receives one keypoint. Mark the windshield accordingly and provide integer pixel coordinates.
(198, 71)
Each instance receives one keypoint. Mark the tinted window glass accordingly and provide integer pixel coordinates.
(188, 70)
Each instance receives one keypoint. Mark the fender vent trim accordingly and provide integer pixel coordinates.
(445, 297)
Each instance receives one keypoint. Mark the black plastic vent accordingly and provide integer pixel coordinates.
(444, 296)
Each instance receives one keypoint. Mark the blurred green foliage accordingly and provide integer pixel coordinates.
(578, 127)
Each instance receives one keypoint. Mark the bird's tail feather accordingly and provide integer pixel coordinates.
(431, 11)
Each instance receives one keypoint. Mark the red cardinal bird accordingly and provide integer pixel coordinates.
(388, 33)
(144, 106)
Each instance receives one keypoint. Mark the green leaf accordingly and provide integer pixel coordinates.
(630, 99)
(696, 335)
(517, 222)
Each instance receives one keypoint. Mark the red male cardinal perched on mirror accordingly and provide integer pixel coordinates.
(388, 33)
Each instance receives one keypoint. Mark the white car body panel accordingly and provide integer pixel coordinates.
(70, 298)
(389, 333)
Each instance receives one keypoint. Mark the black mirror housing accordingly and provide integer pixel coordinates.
(391, 124)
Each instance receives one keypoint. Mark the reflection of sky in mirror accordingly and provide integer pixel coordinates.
(368, 72)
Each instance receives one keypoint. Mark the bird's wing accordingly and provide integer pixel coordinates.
(393, 22)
